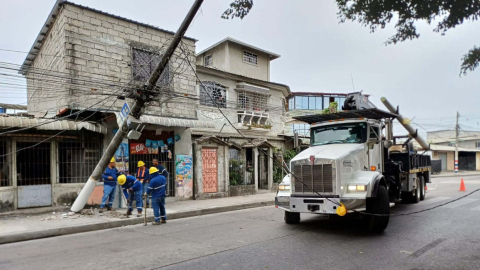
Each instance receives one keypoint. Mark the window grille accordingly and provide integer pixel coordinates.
(33, 164)
(301, 129)
(208, 60)
(236, 168)
(144, 64)
(77, 159)
(5, 179)
(252, 101)
(250, 57)
(217, 91)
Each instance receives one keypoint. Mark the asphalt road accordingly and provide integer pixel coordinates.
(447, 237)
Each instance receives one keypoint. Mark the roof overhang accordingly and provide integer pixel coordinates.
(366, 113)
(175, 122)
(49, 124)
(271, 55)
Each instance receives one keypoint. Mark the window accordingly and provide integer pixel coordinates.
(77, 159)
(249, 57)
(343, 133)
(307, 103)
(301, 129)
(477, 144)
(208, 60)
(144, 64)
(217, 92)
(252, 101)
(291, 104)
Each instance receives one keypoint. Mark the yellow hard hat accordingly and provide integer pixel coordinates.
(152, 170)
(121, 179)
(112, 160)
(140, 163)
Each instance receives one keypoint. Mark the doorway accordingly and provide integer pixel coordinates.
(467, 161)
(34, 174)
(443, 159)
(209, 168)
(263, 168)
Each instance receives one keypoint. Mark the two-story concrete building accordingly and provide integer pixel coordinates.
(235, 83)
(79, 70)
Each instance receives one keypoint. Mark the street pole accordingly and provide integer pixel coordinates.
(456, 145)
(140, 97)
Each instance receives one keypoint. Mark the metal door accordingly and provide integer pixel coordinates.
(443, 158)
(210, 172)
(34, 175)
(263, 169)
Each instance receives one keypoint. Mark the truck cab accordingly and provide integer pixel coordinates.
(348, 165)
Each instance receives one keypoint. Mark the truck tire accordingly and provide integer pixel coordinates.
(379, 205)
(292, 217)
(422, 188)
(416, 194)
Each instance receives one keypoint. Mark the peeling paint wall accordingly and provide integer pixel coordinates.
(7, 198)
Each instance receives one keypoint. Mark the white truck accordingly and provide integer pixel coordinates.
(353, 164)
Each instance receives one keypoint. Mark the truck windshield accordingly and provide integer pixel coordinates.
(342, 133)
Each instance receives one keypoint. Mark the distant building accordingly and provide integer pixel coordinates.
(443, 147)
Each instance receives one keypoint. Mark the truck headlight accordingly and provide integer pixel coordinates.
(357, 188)
(284, 187)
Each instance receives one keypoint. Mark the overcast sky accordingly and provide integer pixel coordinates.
(317, 53)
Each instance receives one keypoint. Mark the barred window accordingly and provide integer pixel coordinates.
(77, 158)
(144, 64)
(249, 57)
(5, 180)
(252, 101)
(208, 60)
(217, 91)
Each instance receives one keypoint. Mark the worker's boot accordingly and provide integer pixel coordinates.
(100, 210)
(163, 221)
(139, 213)
(156, 223)
(109, 208)
(129, 212)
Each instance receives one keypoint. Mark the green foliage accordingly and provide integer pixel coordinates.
(332, 108)
(235, 172)
(376, 14)
(288, 155)
(238, 8)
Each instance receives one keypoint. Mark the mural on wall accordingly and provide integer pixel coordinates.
(184, 175)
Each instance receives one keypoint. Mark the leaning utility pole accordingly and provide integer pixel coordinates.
(141, 96)
(456, 145)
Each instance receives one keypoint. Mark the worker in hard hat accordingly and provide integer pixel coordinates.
(143, 176)
(109, 184)
(133, 190)
(161, 170)
(157, 189)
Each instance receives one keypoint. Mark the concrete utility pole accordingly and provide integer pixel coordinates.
(140, 96)
(456, 145)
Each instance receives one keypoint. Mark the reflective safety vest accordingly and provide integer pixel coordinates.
(141, 173)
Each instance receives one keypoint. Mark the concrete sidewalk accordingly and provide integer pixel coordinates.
(452, 174)
(18, 226)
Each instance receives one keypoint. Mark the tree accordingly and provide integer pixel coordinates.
(378, 13)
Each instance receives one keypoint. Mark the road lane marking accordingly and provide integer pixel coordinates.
(426, 248)
(460, 203)
(434, 200)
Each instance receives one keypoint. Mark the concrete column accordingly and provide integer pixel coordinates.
(227, 169)
(53, 168)
(14, 173)
(270, 168)
(255, 167)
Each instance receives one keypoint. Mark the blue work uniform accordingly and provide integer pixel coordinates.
(157, 189)
(163, 172)
(137, 188)
(109, 186)
(144, 177)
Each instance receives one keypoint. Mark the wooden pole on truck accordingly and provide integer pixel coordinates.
(456, 145)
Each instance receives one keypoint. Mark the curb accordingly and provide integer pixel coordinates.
(26, 236)
(460, 175)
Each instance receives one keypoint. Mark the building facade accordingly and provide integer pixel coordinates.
(80, 69)
(234, 84)
(443, 147)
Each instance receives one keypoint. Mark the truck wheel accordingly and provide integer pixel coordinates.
(292, 217)
(381, 206)
(422, 188)
(416, 194)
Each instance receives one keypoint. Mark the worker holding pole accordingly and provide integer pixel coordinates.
(109, 177)
(133, 190)
(143, 176)
(157, 189)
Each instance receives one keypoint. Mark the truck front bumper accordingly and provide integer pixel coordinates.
(318, 205)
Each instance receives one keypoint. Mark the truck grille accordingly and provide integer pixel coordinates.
(317, 178)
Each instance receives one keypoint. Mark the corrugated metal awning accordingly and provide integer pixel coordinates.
(49, 124)
(176, 122)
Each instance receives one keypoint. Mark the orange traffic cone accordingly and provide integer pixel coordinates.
(426, 188)
(462, 186)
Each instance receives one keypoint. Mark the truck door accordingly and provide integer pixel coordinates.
(375, 154)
